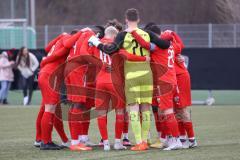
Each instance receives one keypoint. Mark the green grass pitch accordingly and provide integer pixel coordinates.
(217, 131)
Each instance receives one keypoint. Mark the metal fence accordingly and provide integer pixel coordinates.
(193, 35)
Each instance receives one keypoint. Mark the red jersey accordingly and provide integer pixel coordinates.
(53, 42)
(115, 62)
(162, 60)
(56, 56)
(78, 42)
(166, 70)
(104, 76)
(180, 67)
(73, 43)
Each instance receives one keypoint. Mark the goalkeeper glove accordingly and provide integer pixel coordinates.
(94, 41)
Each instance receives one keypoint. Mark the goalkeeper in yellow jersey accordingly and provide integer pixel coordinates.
(138, 75)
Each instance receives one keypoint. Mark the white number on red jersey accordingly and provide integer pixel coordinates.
(105, 58)
(171, 54)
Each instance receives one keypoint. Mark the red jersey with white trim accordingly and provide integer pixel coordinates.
(56, 56)
(104, 76)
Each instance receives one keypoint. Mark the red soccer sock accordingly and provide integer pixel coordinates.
(119, 126)
(172, 125)
(38, 122)
(157, 121)
(102, 125)
(181, 128)
(85, 123)
(74, 124)
(46, 127)
(58, 124)
(164, 130)
(126, 123)
(189, 129)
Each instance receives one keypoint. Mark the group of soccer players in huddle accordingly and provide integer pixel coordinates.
(131, 71)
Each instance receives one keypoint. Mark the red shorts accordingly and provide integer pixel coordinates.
(182, 98)
(75, 82)
(106, 92)
(50, 91)
(165, 100)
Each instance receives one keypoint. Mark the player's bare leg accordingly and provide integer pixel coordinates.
(184, 116)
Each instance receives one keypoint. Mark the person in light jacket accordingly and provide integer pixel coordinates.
(27, 64)
(6, 76)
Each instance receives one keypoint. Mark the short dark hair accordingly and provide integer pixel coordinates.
(132, 14)
(99, 30)
(151, 26)
(115, 23)
(74, 31)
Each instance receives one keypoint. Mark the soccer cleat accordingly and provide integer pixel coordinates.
(106, 147)
(192, 143)
(126, 142)
(158, 144)
(185, 143)
(100, 143)
(140, 147)
(164, 141)
(145, 144)
(173, 144)
(80, 147)
(65, 145)
(37, 143)
(149, 141)
(119, 146)
(89, 143)
(49, 146)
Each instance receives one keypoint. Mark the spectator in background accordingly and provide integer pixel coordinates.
(27, 64)
(6, 76)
